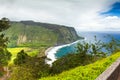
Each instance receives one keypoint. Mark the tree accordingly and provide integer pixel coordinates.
(4, 24)
(81, 57)
(21, 58)
(4, 53)
(113, 45)
(97, 49)
(83, 51)
(33, 66)
(4, 57)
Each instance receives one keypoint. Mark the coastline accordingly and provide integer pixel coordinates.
(47, 50)
(51, 51)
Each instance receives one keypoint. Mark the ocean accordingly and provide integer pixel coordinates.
(89, 37)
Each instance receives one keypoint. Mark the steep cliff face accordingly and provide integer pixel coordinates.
(29, 33)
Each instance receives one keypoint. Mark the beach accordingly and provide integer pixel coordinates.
(50, 52)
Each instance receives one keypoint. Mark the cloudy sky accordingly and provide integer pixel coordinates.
(86, 15)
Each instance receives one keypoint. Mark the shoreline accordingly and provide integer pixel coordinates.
(47, 50)
(51, 51)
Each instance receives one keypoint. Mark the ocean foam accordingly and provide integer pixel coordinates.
(51, 53)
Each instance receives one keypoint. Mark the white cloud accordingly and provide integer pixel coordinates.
(112, 23)
(81, 14)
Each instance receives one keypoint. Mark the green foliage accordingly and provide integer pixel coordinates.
(4, 53)
(88, 72)
(86, 53)
(32, 52)
(69, 61)
(82, 51)
(33, 66)
(4, 57)
(113, 45)
(83, 48)
(3, 41)
(1, 74)
(96, 47)
(40, 69)
(4, 24)
(21, 58)
(21, 73)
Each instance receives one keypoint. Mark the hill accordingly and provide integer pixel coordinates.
(88, 72)
(36, 34)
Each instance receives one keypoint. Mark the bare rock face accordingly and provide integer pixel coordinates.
(21, 39)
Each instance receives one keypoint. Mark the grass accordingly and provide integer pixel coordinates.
(88, 72)
(30, 51)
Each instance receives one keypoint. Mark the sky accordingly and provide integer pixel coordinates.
(83, 15)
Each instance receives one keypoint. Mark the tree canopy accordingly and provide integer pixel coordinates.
(4, 53)
(4, 24)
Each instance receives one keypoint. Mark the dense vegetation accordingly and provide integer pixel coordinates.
(87, 72)
(39, 52)
(4, 53)
(33, 67)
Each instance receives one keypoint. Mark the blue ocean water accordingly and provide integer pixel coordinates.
(89, 37)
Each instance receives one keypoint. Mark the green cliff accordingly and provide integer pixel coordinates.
(36, 34)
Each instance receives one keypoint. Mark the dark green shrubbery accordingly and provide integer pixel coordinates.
(21, 58)
(1, 74)
(5, 55)
(29, 68)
